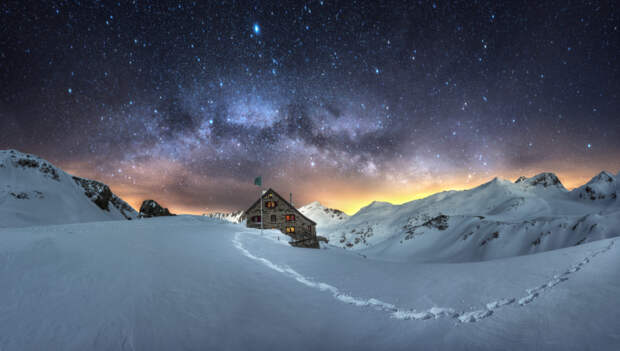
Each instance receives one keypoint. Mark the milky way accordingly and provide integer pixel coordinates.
(342, 102)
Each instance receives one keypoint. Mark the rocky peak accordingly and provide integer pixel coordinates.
(601, 187)
(103, 197)
(603, 177)
(150, 208)
(544, 180)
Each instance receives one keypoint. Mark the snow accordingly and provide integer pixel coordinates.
(323, 216)
(495, 220)
(603, 187)
(192, 282)
(523, 265)
(233, 217)
(35, 192)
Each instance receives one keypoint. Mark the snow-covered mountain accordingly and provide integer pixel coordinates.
(233, 217)
(493, 220)
(35, 192)
(603, 186)
(323, 216)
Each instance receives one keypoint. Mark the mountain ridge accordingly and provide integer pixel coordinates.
(35, 192)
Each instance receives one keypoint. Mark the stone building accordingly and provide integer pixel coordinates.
(281, 214)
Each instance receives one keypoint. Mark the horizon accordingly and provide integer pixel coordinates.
(359, 205)
(568, 182)
(341, 104)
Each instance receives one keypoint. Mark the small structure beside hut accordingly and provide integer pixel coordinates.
(277, 213)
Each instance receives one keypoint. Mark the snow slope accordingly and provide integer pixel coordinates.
(497, 219)
(323, 216)
(35, 192)
(195, 283)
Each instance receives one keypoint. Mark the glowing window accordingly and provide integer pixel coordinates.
(271, 204)
(290, 229)
(290, 217)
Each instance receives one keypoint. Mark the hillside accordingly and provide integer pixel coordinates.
(497, 219)
(35, 192)
(323, 216)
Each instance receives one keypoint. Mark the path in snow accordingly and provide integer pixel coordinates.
(434, 312)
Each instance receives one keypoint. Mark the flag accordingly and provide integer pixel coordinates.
(258, 181)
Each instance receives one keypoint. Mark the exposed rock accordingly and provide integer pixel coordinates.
(601, 187)
(43, 166)
(543, 179)
(102, 196)
(150, 208)
(440, 222)
(20, 196)
(98, 192)
(308, 243)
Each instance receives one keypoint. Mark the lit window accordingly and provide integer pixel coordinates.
(270, 204)
(290, 218)
(290, 229)
(273, 219)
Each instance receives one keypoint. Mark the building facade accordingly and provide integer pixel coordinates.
(281, 214)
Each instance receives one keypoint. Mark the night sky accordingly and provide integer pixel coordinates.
(341, 102)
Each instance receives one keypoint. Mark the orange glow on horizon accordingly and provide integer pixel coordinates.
(151, 180)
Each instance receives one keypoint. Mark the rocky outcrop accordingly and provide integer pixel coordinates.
(304, 240)
(30, 161)
(150, 208)
(543, 179)
(103, 197)
(601, 187)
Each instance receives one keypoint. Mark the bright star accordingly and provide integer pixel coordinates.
(256, 28)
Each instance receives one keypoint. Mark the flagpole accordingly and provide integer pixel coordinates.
(259, 181)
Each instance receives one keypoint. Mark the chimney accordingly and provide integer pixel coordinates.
(291, 199)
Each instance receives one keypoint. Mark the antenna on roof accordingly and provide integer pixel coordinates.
(291, 199)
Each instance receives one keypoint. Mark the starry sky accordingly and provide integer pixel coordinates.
(344, 102)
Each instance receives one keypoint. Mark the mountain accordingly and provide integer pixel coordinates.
(323, 216)
(233, 217)
(494, 220)
(544, 180)
(603, 186)
(35, 192)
